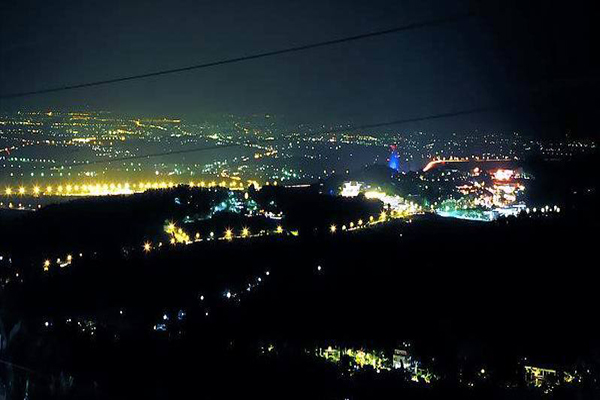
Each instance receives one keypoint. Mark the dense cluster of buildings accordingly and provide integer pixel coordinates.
(355, 359)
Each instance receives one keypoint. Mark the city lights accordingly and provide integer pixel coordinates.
(84, 189)
(441, 163)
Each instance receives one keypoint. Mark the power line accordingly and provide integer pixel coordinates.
(498, 107)
(163, 154)
(320, 132)
(19, 367)
(418, 25)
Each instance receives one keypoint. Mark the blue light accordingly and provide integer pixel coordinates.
(394, 161)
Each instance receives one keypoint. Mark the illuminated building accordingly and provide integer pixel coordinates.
(536, 376)
(351, 189)
(378, 360)
(394, 161)
(549, 376)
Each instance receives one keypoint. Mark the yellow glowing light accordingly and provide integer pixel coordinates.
(147, 247)
(197, 235)
(69, 258)
(503, 174)
(21, 190)
(245, 232)
(36, 190)
(69, 188)
(171, 227)
(49, 189)
(60, 189)
(332, 228)
(8, 191)
(172, 240)
(383, 216)
(46, 265)
(279, 229)
(228, 234)
(351, 224)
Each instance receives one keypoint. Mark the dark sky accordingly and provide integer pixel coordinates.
(538, 58)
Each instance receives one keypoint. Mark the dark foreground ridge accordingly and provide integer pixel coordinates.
(466, 306)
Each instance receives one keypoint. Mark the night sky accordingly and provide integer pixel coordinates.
(538, 60)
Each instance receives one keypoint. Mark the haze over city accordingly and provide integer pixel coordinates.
(338, 200)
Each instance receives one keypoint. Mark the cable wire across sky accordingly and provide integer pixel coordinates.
(312, 134)
(212, 64)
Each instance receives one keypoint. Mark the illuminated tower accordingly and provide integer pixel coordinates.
(393, 161)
